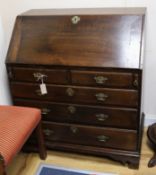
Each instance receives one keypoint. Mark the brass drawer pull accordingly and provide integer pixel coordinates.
(136, 80)
(45, 111)
(38, 92)
(75, 19)
(135, 83)
(48, 132)
(71, 109)
(101, 96)
(100, 79)
(39, 76)
(74, 129)
(102, 138)
(70, 92)
(102, 117)
(10, 74)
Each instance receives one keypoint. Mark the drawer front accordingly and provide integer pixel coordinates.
(77, 94)
(36, 75)
(84, 135)
(105, 79)
(92, 115)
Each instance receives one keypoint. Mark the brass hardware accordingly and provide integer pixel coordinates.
(45, 111)
(101, 96)
(75, 19)
(135, 83)
(74, 129)
(38, 92)
(100, 79)
(102, 117)
(102, 138)
(39, 76)
(70, 92)
(135, 80)
(48, 132)
(71, 109)
(10, 74)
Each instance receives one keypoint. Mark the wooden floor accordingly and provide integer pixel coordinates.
(27, 164)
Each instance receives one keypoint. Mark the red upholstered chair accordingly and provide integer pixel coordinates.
(16, 125)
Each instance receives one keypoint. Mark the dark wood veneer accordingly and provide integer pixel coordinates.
(84, 114)
(112, 79)
(89, 135)
(84, 95)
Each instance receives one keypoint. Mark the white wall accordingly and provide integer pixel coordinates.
(10, 9)
(4, 95)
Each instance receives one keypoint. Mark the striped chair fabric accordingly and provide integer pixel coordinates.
(16, 125)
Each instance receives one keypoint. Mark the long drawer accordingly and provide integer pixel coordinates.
(83, 114)
(75, 94)
(87, 135)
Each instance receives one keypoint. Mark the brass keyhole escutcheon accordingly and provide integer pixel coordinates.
(70, 92)
(71, 109)
(75, 19)
(74, 129)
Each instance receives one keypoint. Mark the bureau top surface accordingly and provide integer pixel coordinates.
(78, 37)
(85, 11)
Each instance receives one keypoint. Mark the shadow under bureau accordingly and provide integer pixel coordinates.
(82, 68)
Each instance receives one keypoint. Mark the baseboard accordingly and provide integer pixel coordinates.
(149, 119)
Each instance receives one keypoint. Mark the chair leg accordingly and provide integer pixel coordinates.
(2, 166)
(41, 142)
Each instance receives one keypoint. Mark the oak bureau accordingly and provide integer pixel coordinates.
(82, 67)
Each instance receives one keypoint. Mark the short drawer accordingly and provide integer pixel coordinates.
(56, 76)
(83, 114)
(87, 135)
(105, 79)
(102, 96)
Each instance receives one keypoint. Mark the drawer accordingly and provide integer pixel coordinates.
(105, 79)
(90, 115)
(87, 135)
(36, 74)
(102, 96)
